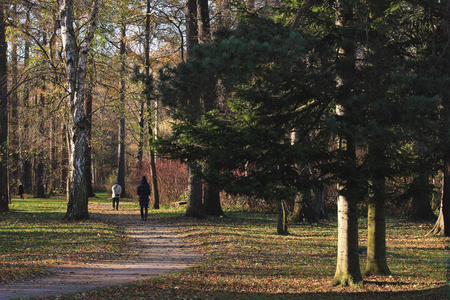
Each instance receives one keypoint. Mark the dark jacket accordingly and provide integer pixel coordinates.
(143, 190)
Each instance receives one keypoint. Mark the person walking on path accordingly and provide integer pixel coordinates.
(143, 190)
(21, 191)
(116, 191)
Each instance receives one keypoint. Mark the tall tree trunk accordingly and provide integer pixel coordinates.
(4, 184)
(421, 199)
(88, 112)
(194, 207)
(348, 270)
(319, 195)
(376, 263)
(212, 204)
(39, 157)
(140, 154)
(64, 178)
(282, 218)
(347, 267)
(76, 66)
(442, 226)
(151, 131)
(121, 148)
(13, 119)
(211, 194)
(204, 28)
(25, 164)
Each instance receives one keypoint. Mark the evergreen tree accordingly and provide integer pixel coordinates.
(269, 89)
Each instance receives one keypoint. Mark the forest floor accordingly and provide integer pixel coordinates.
(155, 249)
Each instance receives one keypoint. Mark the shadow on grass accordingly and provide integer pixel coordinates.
(158, 289)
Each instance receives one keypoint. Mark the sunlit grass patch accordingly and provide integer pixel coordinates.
(33, 235)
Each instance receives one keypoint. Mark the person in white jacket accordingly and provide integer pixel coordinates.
(116, 191)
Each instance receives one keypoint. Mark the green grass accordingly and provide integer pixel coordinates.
(245, 259)
(33, 235)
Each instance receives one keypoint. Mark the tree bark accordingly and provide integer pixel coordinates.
(297, 215)
(282, 218)
(76, 66)
(212, 200)
(122, 133)
(194, 207)
(442, 226)
(88, 166)
(151, 131)
(347, 267)
(211, 194)
(348, 270)
(13, 118)
(421, 200)
(204, 28)
(4, 184)
(376, 263)
(319, 195)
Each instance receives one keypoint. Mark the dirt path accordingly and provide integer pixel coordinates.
(160, 250)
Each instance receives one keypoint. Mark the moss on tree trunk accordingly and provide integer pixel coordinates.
(376, 263)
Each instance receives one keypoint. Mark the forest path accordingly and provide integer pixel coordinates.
(156, 249)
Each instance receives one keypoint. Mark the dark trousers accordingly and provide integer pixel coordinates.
(144, 212)
(116, 203)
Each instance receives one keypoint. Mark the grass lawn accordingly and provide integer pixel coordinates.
(244, 258)
(33, 236)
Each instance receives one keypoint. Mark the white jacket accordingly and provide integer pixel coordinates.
(116, 191)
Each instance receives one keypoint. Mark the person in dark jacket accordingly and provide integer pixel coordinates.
(143, 190)
(21, 191)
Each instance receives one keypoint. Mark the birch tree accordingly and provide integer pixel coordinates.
(76, 58)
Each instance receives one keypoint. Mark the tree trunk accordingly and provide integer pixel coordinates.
(282, 218)
(13, 118)
(40, 188)
(194, 207)
(319, 195)
(442, 226)
(4, 184)
(204, 28)
(348, 270)
(76, 66)
(64, 159)
(421, 199)
(151, 113)
(121, 148)
(23, 137)
(297, 215)
(140, 154)
(88, 166)
(376, 263)
(191, 26)
(211, 193)
(212, 200)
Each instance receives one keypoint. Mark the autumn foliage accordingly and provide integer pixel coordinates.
(172, 179)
